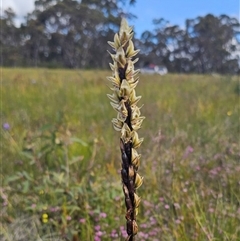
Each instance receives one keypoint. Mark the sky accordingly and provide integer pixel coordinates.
(175, 11)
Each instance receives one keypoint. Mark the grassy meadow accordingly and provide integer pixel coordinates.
(60, 158)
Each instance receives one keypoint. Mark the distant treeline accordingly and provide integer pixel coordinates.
(74, 34)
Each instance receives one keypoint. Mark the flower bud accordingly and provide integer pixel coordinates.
(138, 181)
(117, 124)
(135, 227)
(137, 200)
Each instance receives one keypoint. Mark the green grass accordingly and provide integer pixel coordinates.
(61, 157)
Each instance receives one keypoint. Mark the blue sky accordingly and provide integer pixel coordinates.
(175, 11)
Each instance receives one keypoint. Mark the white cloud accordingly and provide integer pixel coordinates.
(20, 7)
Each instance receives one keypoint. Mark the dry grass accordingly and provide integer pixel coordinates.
(60, 156)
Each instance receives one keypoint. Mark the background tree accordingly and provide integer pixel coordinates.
(208, 42)
(10, 40)
(204, 46)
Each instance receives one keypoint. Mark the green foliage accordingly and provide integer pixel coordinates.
(60, 158)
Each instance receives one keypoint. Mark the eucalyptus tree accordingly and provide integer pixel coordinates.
(208, 42)
(10, 41)
(76, 32)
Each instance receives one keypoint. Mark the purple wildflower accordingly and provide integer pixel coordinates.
(82, 220)
(6, 126)
(102, 215)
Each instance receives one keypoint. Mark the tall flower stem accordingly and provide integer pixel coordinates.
(124, 100)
